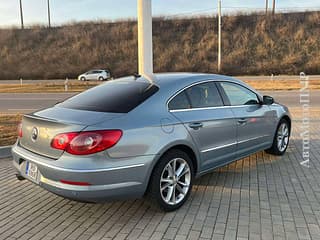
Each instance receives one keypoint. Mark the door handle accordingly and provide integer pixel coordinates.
(196, 125)
(242, 121)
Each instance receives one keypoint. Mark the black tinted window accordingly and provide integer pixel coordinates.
(179, 102)
(239, 95)
(204, 95)
(118, 96)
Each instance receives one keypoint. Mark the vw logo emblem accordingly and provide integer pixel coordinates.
(34, 134)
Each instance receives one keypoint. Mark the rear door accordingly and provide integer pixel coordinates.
(211, 125)
(254, 120)
(94, 75)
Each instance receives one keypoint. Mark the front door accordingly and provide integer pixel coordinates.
(211, 125)
(254, 120)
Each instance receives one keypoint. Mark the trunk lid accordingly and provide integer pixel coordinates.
(41, 127)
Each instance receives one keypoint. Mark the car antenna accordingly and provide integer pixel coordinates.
(136, 75)
(147, 77)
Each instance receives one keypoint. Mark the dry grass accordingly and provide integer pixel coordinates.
(45, 87)
(281, 84)
(8, 128)
(288, 43)
(81, 86)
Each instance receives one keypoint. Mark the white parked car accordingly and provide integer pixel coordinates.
(98, 74)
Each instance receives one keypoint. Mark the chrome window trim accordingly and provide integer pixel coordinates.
(206, 108)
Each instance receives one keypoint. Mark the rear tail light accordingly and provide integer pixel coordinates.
(19, 130)
(85, 143)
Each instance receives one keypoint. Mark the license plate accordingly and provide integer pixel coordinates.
(32, 170)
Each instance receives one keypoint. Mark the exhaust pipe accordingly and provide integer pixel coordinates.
(19, 177)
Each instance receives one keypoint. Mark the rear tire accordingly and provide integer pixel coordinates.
(171, 181)
(281, 139)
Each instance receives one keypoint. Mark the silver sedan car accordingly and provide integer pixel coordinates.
(133, 137)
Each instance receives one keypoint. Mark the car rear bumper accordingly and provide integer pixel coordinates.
(108, 183)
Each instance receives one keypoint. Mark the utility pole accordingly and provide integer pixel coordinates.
(219, 35)
(267, 7)
(49, 18)
(21, 15)
(273, 7)
(145, 51)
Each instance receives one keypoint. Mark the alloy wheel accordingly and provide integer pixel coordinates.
(175, 181)
(282, 137)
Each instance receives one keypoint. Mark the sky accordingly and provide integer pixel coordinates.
(66, 11)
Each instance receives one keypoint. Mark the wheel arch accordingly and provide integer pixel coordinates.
(288, 119)
(185, 148)
(178, 146)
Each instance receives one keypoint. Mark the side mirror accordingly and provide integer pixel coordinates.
(267, 100)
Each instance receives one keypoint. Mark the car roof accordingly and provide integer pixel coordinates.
(180, 80)
(169, 83)
(170, 78)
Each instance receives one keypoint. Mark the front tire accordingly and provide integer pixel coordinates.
(101, 79)
(281, 139)
(171, 181)
(83, 79)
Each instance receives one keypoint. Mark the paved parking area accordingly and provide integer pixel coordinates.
(259, 197)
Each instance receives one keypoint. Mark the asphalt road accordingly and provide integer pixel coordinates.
(29, 102)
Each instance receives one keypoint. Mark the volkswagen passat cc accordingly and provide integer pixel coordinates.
(133, 136)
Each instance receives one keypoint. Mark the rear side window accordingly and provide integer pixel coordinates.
(118, 97)
(179, 102)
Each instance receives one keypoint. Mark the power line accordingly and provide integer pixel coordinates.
(213, 11)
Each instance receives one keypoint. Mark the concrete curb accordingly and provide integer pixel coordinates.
(5, 152)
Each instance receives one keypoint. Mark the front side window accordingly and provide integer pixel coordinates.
(202, 95)
(239, 95)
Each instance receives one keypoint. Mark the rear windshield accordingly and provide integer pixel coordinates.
(119, 96)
